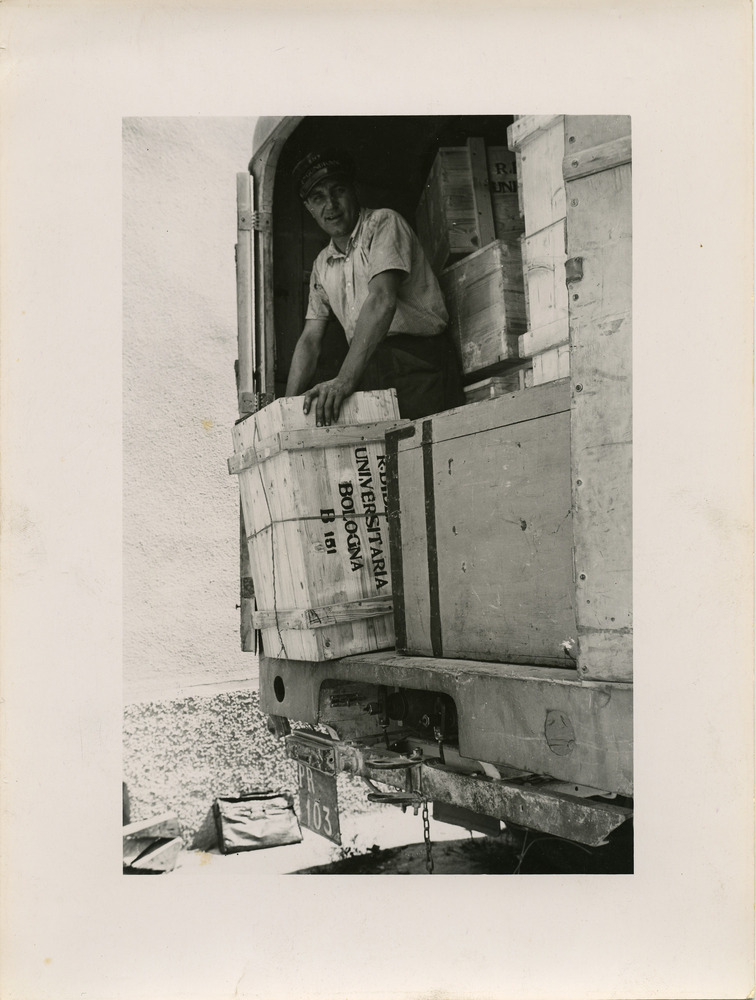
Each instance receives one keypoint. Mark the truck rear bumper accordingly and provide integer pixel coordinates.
(540, 719)
(546, 810)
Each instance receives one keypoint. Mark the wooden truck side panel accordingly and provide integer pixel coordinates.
(600, 249)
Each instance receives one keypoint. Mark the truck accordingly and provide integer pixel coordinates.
(507, 696)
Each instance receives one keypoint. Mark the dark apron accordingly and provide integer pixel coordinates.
(424, 371)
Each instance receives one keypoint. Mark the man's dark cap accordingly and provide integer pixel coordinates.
(317, 166)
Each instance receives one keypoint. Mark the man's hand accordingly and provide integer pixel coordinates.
(328, 397)
(371, 327)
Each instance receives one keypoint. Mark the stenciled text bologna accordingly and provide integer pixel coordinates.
(366, 493)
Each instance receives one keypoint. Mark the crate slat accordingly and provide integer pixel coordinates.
(543, 263)
(539, 142)
(333, 614)
(551, 365)
(544, 338)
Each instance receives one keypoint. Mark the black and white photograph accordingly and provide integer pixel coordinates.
(433, 452)
(378, 500)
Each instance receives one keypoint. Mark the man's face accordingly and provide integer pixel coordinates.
(333, 205)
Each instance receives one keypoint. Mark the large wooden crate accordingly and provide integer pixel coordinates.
(486, 302)
(470, 199)
(480, 516)
(313, 501)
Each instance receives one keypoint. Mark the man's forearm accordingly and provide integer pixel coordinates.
(303, 365)
(372, 326)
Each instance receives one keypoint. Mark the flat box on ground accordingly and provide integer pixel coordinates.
(481, 531)
(313, 501)
(485, 298)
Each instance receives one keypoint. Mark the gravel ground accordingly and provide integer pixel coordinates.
(180, 755)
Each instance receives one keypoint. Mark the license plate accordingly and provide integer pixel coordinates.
(318, 802)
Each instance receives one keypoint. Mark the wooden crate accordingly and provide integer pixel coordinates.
(505, 203)
(314, 509)
(481, 531)
(486, 303)
(470, 199)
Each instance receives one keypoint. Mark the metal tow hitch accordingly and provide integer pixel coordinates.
(409, 796)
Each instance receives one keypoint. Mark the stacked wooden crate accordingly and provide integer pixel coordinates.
(539, 144)
(469, 199)
(486, 304)
(313, 500)
(469, 224)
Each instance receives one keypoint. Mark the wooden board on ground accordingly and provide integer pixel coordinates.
(164, 825)
(161, 856)
(134, 846)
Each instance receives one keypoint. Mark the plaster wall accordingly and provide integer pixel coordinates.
(180, 531)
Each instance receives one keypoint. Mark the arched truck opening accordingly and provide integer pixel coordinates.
(393, 155)
(539, 743)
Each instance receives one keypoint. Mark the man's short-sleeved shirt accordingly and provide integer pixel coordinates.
(381, 241)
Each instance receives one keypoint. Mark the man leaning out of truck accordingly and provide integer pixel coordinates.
(375, 279)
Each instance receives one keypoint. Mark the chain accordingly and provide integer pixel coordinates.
(426, 836)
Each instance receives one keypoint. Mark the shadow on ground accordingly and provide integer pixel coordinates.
(515, 852)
